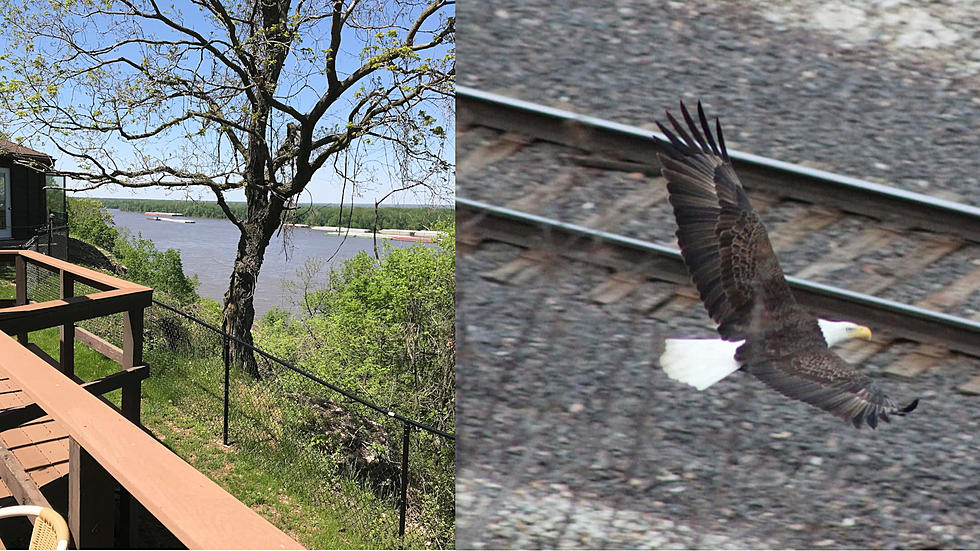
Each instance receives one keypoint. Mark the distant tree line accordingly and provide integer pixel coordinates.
(405, 218)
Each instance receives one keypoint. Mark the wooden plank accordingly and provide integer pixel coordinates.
(842, 256)
(490, 152)
(20, 484)
(627, 207)
(971, 387)
(678, 304)
(91, 505)
(522, 269)
(800, 226)
(547, 193)
(40, 353)
(41, 315)
(20, 279)
(120, 379)
(856, 352)
(183, 499)
(99, 344)
(954, 294)
(914, 261)
(916, 362)
(132, 338)
(618, 286)
(16, 416)
(89, 277)
(132, 356)
(651, 295)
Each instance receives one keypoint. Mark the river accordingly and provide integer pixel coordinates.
(207, 250)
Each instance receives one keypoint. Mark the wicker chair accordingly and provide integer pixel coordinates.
(50, 530)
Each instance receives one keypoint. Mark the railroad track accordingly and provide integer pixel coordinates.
(556, 184)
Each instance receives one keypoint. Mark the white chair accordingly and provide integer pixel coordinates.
(50, 530)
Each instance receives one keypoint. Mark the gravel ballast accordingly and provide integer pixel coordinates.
(570, 435)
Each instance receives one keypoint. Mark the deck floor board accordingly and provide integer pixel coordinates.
(41, 446)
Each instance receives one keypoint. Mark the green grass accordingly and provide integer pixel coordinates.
(185, 415)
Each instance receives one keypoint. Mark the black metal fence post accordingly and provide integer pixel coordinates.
(404, 500)
(227, 372)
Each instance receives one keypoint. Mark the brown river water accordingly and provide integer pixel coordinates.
(207, 249)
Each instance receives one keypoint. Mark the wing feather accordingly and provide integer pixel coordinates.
(728, 253)
(722, 240)
(822, 379)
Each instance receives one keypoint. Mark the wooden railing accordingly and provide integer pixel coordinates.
(107, 445)
(115, 295)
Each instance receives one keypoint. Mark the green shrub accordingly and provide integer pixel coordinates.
(145, 264)
(162, 270)
(386, 331)
(90, 222)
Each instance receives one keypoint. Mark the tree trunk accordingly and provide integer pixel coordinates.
(239, 310)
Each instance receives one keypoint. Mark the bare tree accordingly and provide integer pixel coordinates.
(252, 95)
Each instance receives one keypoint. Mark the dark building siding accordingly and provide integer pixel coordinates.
(26, 201)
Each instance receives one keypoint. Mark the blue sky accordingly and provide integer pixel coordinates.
(326, 185)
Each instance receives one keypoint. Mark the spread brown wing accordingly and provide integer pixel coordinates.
(724, 243)
(727, 251)
(821, 378)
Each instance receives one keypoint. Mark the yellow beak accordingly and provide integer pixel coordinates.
(862, 332)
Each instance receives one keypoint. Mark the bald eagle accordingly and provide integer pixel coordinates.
(764, 331)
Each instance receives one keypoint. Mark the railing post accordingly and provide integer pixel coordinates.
(404, 500)
(90, 501)
(132, 357)
(67, 358)
(130, 406)
(21, 296)
(225, 356)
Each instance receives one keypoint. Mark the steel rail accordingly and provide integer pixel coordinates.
(632, 143)
(478, 220)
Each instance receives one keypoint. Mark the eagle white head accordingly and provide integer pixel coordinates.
(835, 332)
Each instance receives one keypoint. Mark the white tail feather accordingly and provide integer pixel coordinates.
(703, 362)
(699, 362)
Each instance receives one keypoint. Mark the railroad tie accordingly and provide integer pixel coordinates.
(617, 286)
(856, 351)
(843, 256)
(626, 208)
(522, 269)
(788, 233)
(925, 252)
(954, 294)
(916, 362)
(971, 387)
(651, 295)
(548, 193)
(684, 301)
(491, 151)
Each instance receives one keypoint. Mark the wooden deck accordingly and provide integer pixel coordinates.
(52, 424)
(41, 446)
